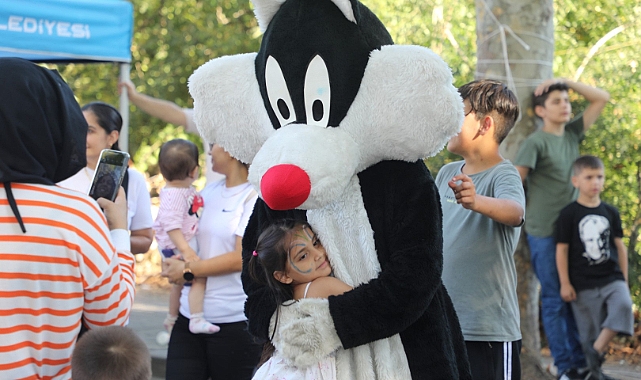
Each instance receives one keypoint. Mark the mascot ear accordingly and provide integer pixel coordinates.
(228, 107)
(266, 9)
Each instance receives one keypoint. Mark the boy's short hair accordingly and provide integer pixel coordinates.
(177, 159)
(540, 99)
(492, 98)
(110, 353)
(587, 161)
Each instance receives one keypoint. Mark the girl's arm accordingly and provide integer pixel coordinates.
(188, 254)
(323, 287)
(229, 262)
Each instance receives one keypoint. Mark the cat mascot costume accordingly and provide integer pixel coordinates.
(335, 121)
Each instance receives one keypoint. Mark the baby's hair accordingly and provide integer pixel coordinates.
(492, 98)
(270, 256)
(108, 117)
(586, 162)
(539, 100)
(177, 159)
(110, 353)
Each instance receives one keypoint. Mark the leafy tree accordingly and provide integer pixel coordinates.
(171, 39)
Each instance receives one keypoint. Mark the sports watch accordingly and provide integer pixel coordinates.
(187, 275)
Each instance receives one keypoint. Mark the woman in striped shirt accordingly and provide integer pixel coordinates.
(60, 265)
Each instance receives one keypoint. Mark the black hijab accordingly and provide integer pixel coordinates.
(43, 133)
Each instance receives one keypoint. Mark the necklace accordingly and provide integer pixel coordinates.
(86, 171)
(224, 192)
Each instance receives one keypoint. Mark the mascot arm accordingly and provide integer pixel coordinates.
(260, 304)
(405, 214)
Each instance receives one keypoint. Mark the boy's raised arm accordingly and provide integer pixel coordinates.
(597, 98)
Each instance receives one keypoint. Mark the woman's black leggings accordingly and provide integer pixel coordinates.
(228, 354)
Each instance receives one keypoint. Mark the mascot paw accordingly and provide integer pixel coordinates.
(307, 332)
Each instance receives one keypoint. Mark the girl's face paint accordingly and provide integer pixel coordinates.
(306, 259)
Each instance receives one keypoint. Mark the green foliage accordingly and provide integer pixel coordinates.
(171, 40)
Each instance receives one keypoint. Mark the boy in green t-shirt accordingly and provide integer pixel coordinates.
(544, 162)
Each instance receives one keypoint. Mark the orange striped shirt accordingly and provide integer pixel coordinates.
(63, 270)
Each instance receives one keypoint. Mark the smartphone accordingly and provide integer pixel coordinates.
(111, 169)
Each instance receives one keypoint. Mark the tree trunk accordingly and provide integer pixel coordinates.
(502, 55)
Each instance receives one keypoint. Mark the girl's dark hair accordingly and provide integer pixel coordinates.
(270, 256)
(108, 117)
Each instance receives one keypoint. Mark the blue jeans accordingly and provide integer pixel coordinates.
(558, 321)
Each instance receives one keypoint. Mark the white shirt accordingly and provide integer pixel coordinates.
(224, 217)
(138, 200)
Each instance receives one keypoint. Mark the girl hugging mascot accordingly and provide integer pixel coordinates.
(335, 121)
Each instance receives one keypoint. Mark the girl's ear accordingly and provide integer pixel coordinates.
(282, 277)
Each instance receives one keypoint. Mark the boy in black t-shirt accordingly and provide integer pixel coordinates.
(593, 264)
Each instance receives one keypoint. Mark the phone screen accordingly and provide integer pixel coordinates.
(109, 174)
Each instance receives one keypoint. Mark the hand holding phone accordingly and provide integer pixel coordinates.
(116, 211)
(111, 169)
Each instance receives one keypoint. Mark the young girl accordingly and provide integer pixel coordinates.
(291, 260)
(176, 226)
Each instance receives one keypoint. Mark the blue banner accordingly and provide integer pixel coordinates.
(66, 30)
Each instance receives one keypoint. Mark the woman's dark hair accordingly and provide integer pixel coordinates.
(108, 117)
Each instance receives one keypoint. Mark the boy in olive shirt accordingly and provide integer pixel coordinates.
(483, 206)
(544, 162)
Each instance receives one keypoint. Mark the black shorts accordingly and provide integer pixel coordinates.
(494, 360)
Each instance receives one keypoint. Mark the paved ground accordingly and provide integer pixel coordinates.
(150, 309)
(147, 315)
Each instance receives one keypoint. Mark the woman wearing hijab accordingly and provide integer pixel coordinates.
(60, 265)
(105, 123)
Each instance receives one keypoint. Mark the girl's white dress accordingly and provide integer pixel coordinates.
(276, 368)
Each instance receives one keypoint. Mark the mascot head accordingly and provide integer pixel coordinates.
(327, 96)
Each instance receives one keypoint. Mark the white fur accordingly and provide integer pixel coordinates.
(228, 108)
(306, 146)
(406, 108)
(265, 11)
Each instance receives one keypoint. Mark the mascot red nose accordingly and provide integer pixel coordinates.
(335, 121)
(285, 187)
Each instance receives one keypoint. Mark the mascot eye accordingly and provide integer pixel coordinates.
(317, 93)
(278, 93)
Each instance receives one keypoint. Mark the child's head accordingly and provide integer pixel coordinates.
(288, 253)
(178, 159)
(490, 107)
(554, 104)
(588, 175)
(111, 353)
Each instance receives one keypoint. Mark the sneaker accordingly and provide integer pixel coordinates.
(594, 360)
(570, 374)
